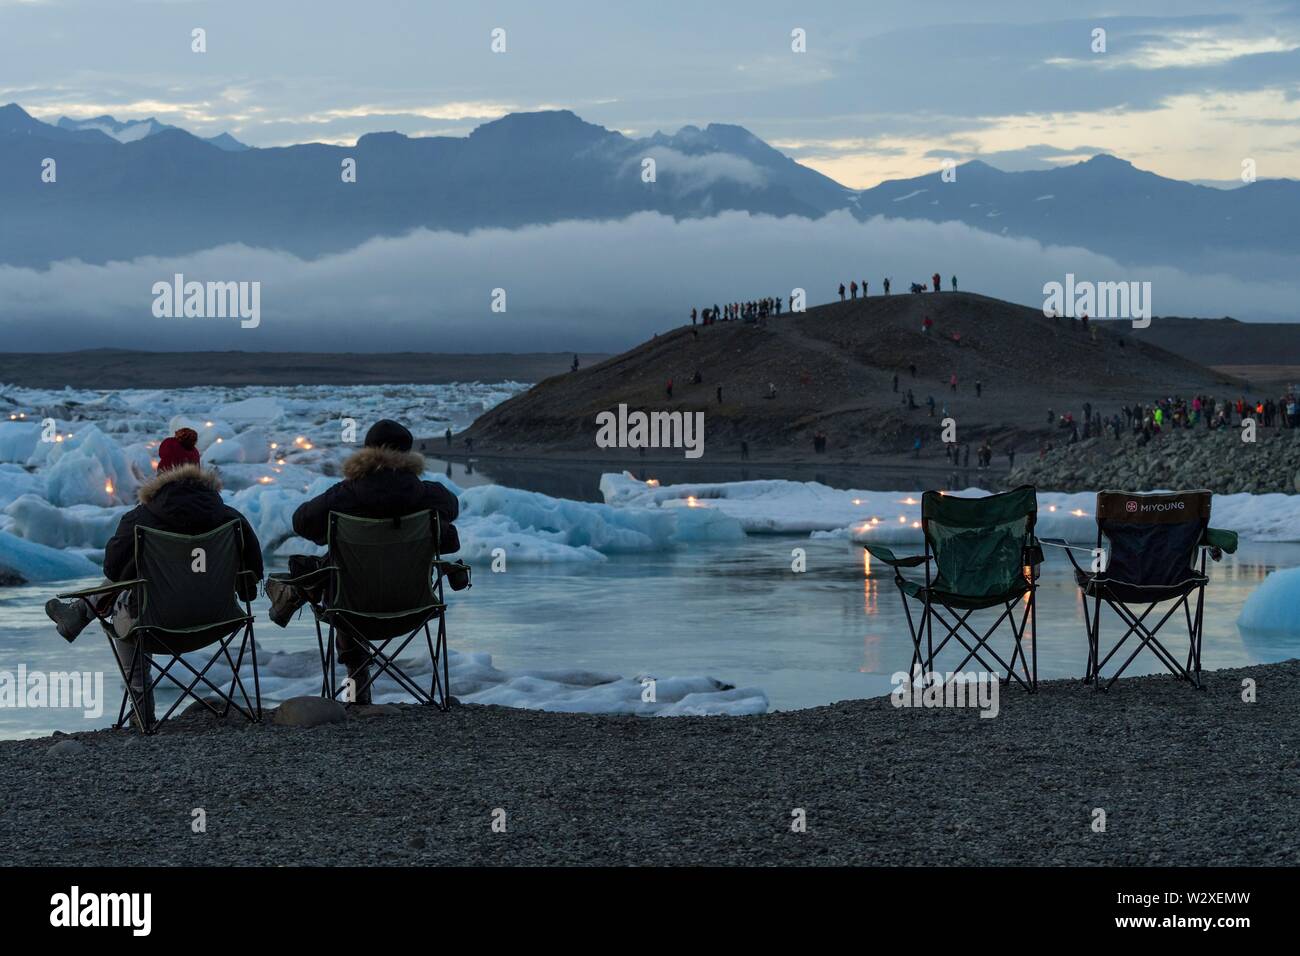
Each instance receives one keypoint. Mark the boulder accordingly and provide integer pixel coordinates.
(310, 712)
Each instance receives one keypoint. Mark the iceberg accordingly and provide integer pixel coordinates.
(476, 680)
(26, 562)
(894, 517)
(1273, 608)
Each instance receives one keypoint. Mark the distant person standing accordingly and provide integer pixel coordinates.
(853, 288)
(886, 285)
(574, 368)
(448, 436)
(979, 388)
(864, 288)
(954, 283)
(841, 291)
(952, 382)
(937, 281)
(692, 316)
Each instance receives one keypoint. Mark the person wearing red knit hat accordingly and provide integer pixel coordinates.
(179, 450)
(182, 498)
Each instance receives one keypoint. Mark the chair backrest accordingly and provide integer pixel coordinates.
(189, 579)
(979, 543)
(383, 566)
(1152, 537)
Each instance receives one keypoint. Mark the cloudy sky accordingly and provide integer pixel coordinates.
(1185, 88)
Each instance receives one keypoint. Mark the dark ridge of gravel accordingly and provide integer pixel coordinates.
(1185, 778)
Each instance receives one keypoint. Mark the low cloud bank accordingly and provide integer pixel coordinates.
(567, 286)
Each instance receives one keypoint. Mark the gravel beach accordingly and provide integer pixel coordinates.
(1184, 778)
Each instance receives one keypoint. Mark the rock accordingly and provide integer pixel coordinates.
(196, 708)
(373, 710)
(68, 746)
(310, 712)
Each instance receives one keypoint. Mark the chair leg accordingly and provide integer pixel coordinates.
(1033, 629)
(257, 683)
(913, 631)
(127, 678)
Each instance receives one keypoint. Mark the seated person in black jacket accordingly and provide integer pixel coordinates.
(181, 498)
(382, 480)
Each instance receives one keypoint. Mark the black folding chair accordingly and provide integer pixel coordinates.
(187, 598)
(1157, 547)
(383, 586)
(985, 556)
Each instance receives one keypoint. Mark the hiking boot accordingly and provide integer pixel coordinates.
(457, 575)
(70, 617)
(285, 600)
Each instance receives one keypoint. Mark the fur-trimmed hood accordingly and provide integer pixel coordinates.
(367, 461)
(206, 479)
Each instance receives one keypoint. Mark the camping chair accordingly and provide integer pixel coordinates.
(1155, 543)
(383, 584)
(984, 555)
(187, 595)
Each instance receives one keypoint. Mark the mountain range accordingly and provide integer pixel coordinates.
(127, 189)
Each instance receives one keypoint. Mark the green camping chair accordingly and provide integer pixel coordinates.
(187, 596)
(980, 553)
(383, 585)
(1155, 543)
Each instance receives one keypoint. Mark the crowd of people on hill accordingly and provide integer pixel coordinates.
(755, 310)
(1176, 412)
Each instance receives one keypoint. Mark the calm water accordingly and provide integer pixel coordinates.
(735, 612)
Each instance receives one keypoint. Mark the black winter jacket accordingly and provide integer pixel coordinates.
(381, 483)
(185, 500)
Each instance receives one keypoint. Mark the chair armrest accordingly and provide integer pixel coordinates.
(881, 553)
(1221, 540)
(1069, 550)
(102, 589)
(307, 578)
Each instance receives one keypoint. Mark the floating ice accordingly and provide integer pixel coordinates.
(1274, 607)
(23, 561)
(76, 526)
(536, 527)
(894, 517)
(475, 680)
